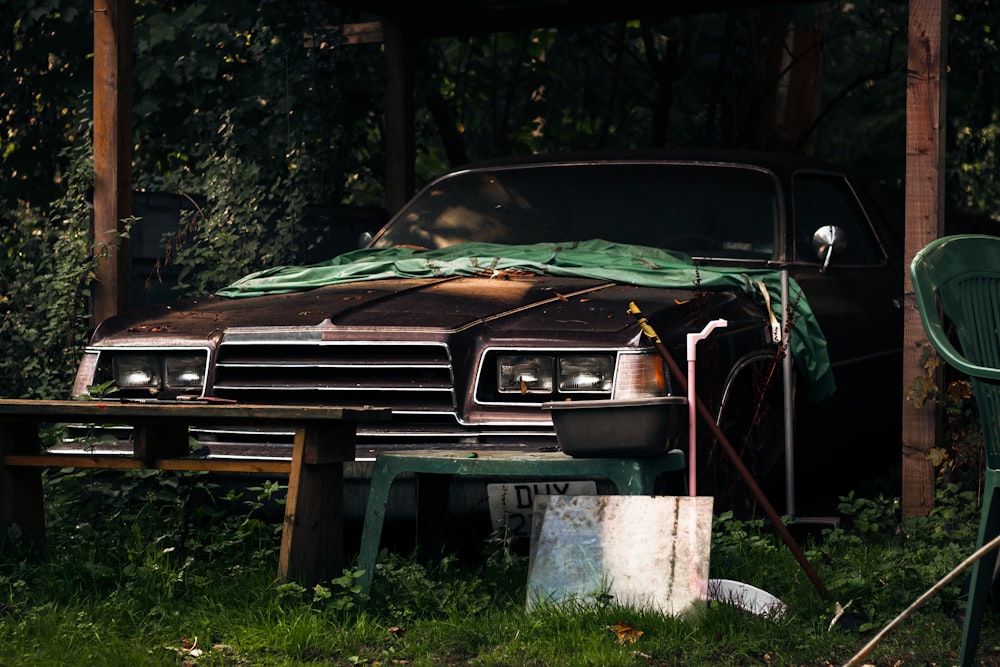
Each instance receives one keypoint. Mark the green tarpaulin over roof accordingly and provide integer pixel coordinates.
(602, 260)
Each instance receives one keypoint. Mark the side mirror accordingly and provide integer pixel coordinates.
(826, 241)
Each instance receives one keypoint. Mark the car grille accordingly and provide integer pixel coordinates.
(415, 380)
(409, 378)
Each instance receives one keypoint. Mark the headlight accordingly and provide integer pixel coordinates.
(142, 373)
(525, 375)
(556, 375)
(545, 374)
(184, 370)
(137, 371)
(586, 374)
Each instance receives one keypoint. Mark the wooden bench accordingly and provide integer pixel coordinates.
(312, 538)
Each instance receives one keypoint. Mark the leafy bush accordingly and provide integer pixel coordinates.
(271, 126)
(46, 270)
(961, 458)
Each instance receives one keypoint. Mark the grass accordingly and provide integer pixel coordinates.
(152, 568)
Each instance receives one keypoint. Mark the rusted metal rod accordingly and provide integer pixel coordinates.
(734, 457)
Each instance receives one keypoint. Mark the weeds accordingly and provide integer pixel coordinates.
(169, 568)
(960, 459)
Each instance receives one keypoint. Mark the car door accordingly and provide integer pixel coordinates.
(856, 296)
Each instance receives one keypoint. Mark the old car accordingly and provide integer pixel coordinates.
(505, 285)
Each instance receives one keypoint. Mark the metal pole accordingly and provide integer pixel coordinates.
(786, 330)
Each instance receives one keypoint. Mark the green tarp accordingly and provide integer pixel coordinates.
(602, 260)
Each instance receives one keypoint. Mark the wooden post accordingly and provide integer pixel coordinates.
(21, 488)
(112, 154)
(151, 442)
(399, 151)
(313, 534)
(925, 112)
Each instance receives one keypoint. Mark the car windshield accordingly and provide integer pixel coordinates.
(704, 210)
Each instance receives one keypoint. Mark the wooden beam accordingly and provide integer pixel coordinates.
(925, 113)
(112, 154)
(399, 112)
(351, 33)
(126, 462)
(432, 19)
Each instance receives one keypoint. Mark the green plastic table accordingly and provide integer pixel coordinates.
(433, 470)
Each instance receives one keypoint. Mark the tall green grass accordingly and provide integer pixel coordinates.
(154, 568)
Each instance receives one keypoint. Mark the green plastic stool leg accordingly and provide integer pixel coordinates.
(371, 534)
(981, 581)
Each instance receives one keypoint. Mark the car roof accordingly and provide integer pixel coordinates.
(782, 163)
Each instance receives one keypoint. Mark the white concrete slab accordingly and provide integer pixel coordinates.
(646, 552)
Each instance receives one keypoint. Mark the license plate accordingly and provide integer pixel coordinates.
(510, 504)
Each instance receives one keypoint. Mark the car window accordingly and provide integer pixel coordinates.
(822, 200)
(702, 210)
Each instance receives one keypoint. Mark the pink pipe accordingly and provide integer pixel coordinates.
(692, 342)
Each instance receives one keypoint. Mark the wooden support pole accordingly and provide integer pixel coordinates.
(925, 113)
(399, 143)
(112, 154)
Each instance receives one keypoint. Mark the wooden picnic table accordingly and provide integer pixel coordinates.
(312, 539)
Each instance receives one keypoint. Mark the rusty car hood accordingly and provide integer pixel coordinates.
(444, 305)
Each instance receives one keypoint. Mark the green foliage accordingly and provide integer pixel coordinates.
(342, 593)
(102, 390)
(954, 518)
(870, 517)
(46, 270)
(973, 133)
(884, 561)
(738, 538)
(160, 522)
(166, 567)
(863, 119)
(271, 126)
(44, 58)
(257, 110)
(692, 81)
(960, 459)
(408, 590)
(925, 387)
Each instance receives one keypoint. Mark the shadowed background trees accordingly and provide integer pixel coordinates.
(262, 123)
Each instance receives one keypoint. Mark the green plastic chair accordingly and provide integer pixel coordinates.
(956, 280)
